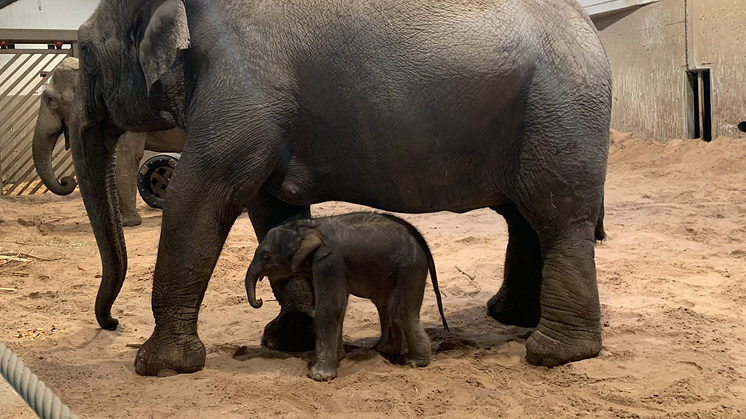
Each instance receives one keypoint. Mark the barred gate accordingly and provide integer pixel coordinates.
(27, 57)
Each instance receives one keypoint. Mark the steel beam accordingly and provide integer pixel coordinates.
(38, 36)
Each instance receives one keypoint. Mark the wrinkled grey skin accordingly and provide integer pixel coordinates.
(375, 256)
(402, 105)
(53, 120)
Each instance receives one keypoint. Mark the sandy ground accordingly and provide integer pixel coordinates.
(671, 278)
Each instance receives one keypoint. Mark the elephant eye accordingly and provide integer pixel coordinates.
(267, 257)
(87, 54)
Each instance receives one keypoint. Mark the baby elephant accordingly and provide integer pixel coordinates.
(376, 256)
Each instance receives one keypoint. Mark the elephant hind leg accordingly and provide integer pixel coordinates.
(407, 304)
(517, 301)
(570, 325)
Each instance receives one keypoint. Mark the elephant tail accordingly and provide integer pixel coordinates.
(600, 233)
(430, 263)
(434, 278)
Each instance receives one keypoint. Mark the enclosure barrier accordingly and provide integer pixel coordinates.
(45, 403)
(27, 57)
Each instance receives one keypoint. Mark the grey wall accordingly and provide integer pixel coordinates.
(647, 49)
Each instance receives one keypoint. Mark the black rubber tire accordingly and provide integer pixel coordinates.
(153, 178)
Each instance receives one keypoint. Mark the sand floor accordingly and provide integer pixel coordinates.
(672, 282)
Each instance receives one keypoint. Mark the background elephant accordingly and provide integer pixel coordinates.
(406, 106)
(53, 120)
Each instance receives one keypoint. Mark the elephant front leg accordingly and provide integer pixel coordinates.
(331, 296)
(293, 329)
(517, 301)
(130, 149)
(192, 236)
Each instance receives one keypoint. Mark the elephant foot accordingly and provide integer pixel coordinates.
(512, 312)
(291, 331)
(322, 373)
(163, 355)
(550, 351)
(416, 361)
(131, 220)
(388, 349)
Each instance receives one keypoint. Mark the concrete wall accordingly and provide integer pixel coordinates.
(647, 52)
(647, 49)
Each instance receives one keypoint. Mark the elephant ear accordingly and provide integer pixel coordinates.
(167, 33)
(310, 245)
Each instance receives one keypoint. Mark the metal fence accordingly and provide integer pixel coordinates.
(27, 57)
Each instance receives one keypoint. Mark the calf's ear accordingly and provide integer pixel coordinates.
(311, 245)
(166, 34)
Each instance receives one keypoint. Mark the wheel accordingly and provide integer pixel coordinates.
(152, 180)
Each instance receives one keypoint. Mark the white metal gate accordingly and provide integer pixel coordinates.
(27, 57)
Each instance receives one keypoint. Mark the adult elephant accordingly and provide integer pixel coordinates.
(54, 115)
(403, 105)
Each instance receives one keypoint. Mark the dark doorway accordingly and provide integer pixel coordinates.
(700, 104)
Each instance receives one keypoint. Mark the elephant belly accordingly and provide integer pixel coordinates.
(445, 186)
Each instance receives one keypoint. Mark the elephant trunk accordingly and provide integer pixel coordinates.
(252, 277)
(46, 132)
(93, 146)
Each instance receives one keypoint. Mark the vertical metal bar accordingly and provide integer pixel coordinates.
(693, 119)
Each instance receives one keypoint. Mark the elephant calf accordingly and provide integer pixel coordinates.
(376, 256)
